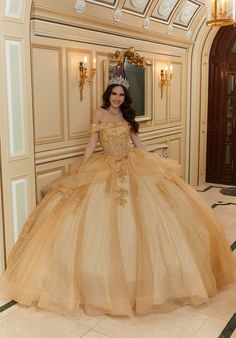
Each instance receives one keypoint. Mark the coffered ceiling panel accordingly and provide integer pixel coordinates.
(187, 14)
(164, 10)
(106, 3)
(138, 7)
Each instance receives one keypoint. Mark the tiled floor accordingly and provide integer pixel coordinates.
(213, 320)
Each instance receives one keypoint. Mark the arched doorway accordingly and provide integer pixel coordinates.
(221, 130)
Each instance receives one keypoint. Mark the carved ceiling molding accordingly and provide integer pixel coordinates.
(180, 13)
(101, 18)
(80, 6)
(105, 3)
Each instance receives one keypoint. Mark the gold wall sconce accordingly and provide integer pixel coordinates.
(84, 76)
(166, 77)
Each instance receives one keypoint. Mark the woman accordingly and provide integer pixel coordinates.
(121, 232)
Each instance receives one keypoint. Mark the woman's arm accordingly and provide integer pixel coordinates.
(89, 150)
(136, 140)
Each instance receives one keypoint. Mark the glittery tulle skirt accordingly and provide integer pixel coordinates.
(116, 236)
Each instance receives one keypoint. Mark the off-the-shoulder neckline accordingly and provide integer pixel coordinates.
(110, 122)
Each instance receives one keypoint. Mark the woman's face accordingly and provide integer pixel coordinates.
(117, 97)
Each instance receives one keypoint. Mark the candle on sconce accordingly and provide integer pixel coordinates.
(166, 68)
(94, 63)
(85, 61)
(213, 12)
(85, 76)
(222, 5)
(171, 69)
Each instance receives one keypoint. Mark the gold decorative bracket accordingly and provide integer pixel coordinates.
(166, 77)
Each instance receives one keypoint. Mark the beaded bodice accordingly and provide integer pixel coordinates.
(114, 137)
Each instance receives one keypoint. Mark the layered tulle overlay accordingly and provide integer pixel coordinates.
(121, 233)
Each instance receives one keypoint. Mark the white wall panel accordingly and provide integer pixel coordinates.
(13, 8)
(175, 149)
(48, 94)
(19, 205)
(2, 249)
(13, 59)
(175, 94)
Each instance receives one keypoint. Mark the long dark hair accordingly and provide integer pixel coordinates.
(127, 111)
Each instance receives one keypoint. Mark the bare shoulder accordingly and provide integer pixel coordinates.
(98, 115)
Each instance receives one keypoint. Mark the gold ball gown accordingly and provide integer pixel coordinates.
(122, 233)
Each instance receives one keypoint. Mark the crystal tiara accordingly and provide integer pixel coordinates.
(119, 80)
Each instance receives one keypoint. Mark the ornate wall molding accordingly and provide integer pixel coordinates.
(117, 15)
(80, 6)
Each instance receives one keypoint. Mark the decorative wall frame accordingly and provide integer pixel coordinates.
(139, 72)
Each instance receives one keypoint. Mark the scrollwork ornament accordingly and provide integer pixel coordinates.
(132, 57)
(169, 29)
(164, 153)
(80, 6)
(146, 23)
(117, 15)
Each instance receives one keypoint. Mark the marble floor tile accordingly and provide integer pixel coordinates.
(32, 323)
(213, 195)
(187, 316)
(211, 328)
(233, 334)
(88, 321)
(95, 334)
(181, 323)
(217, 308)
(11, 309)
(2, 303)
(227, 216)
(227, 293)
